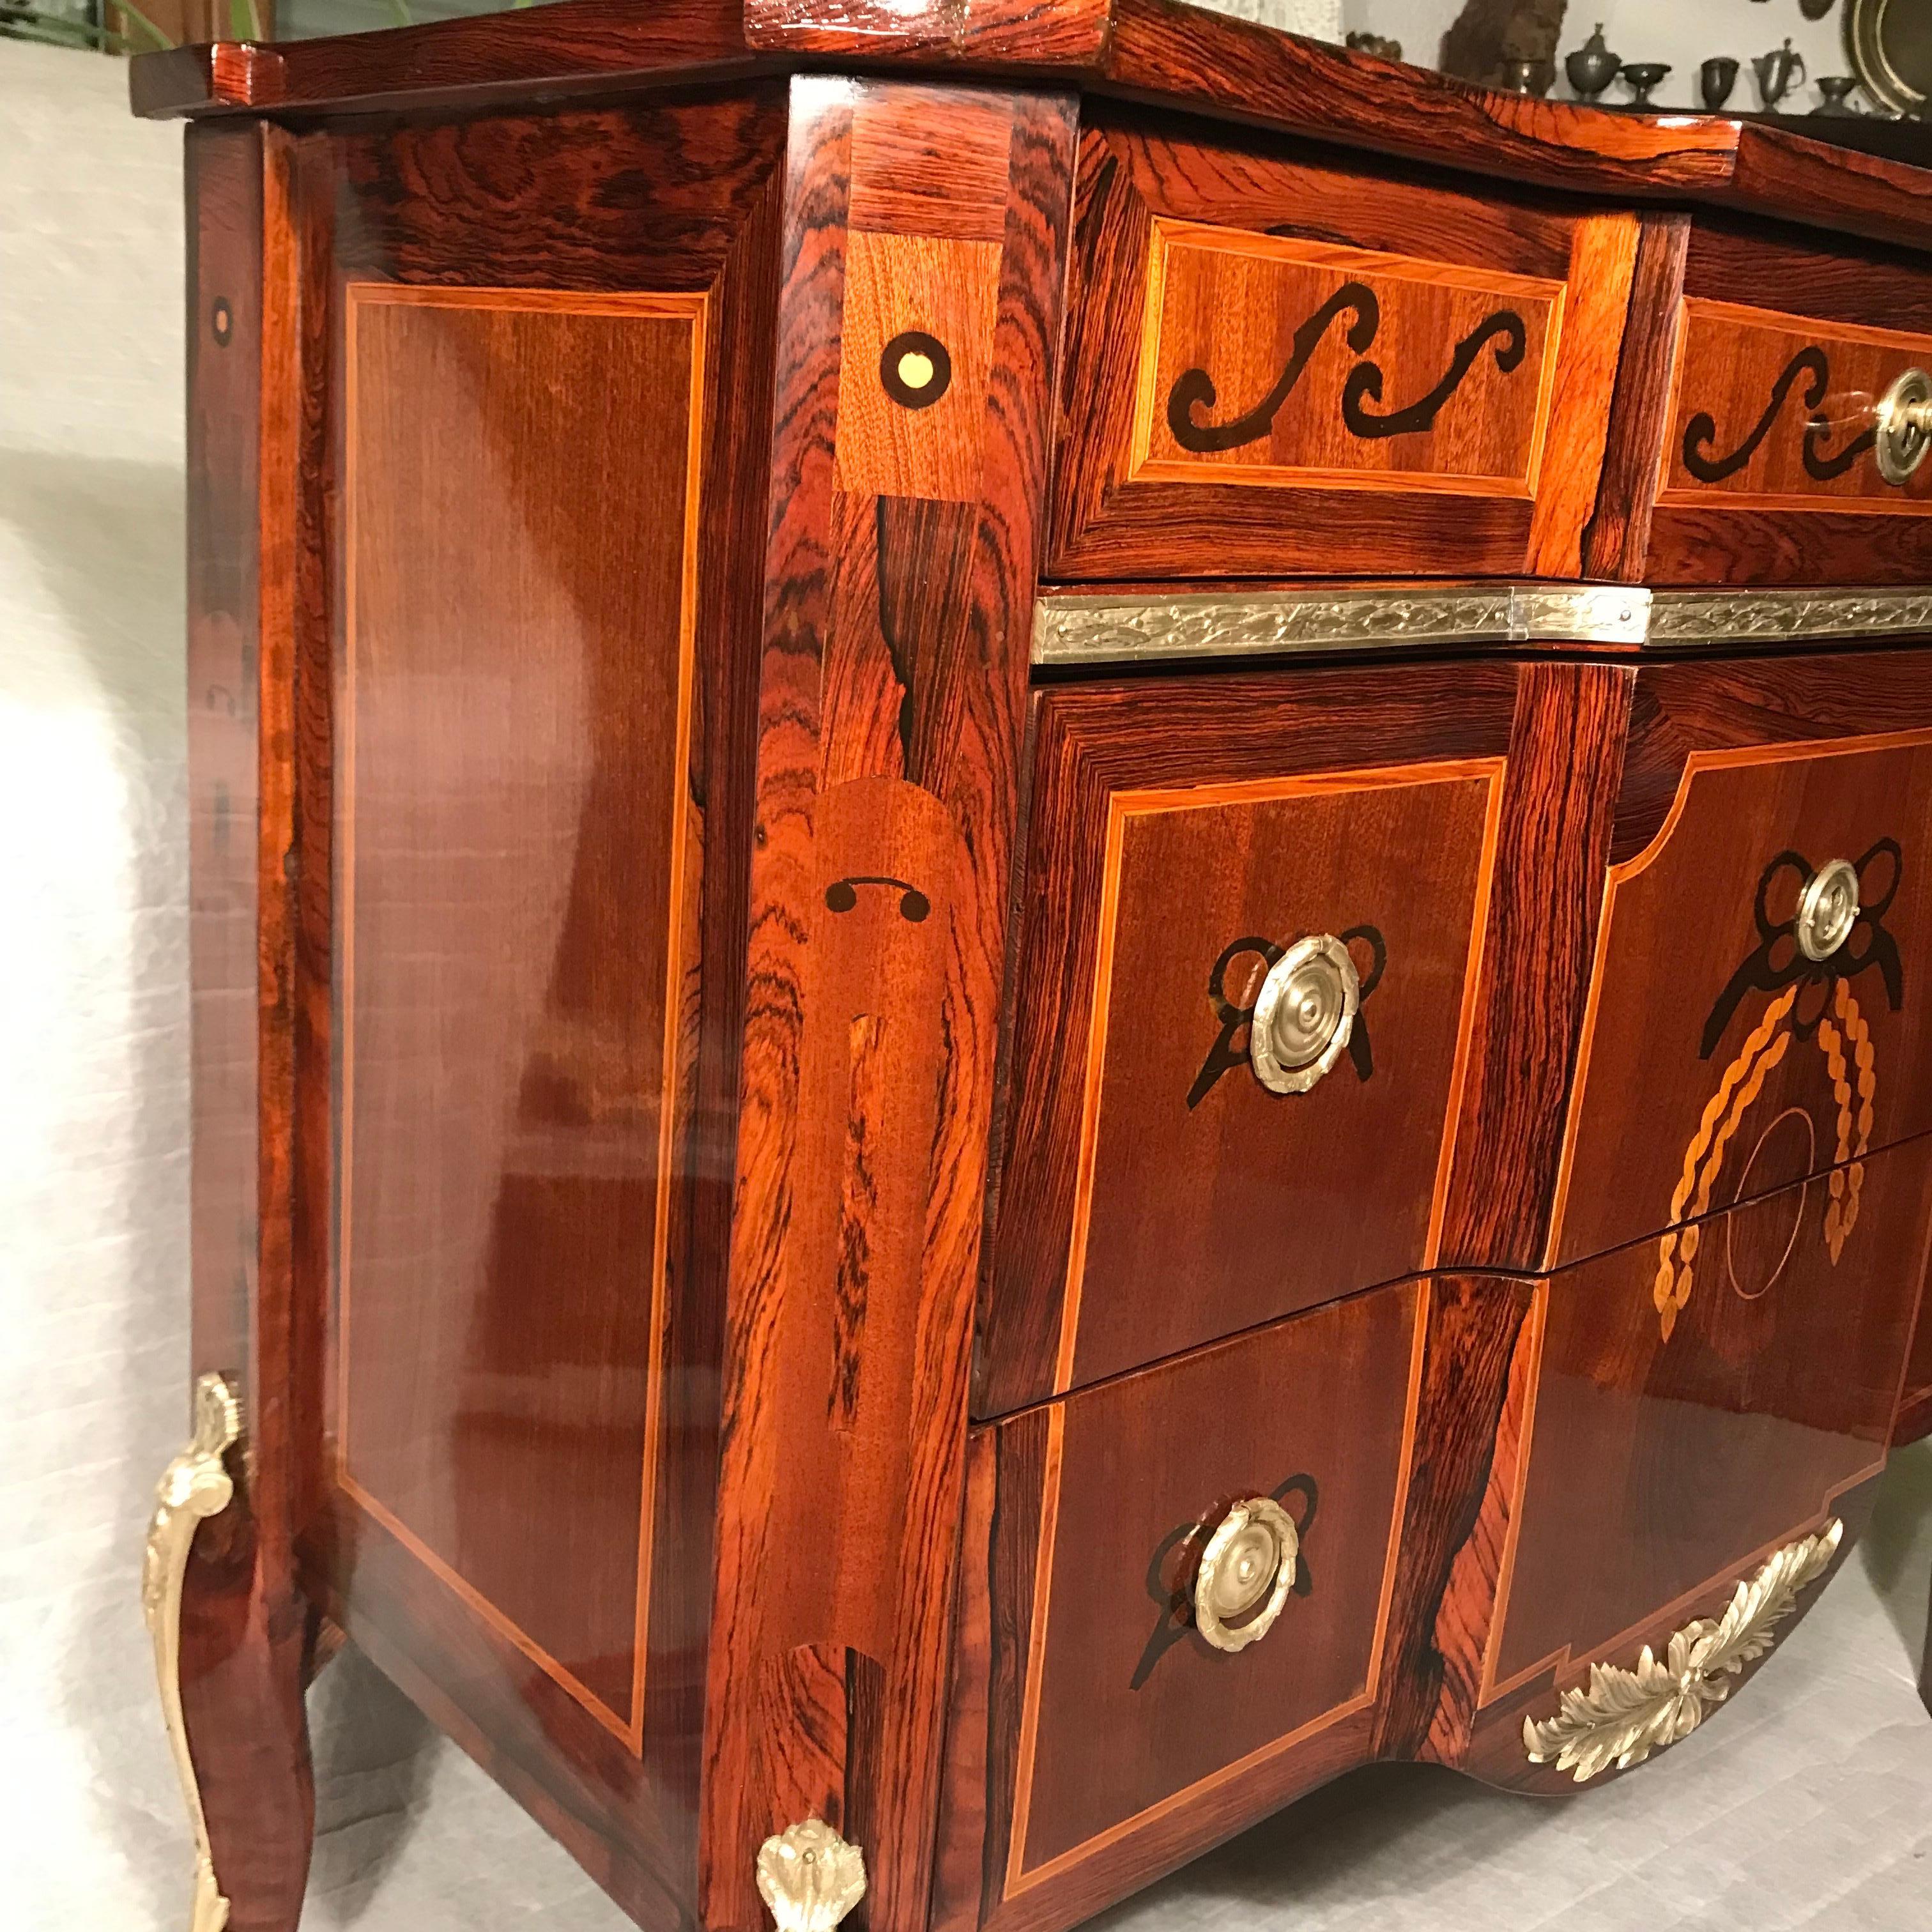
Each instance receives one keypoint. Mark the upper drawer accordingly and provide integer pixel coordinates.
(1213, 860)
(1767, 466)
(1757, 1010)
(1275, 366)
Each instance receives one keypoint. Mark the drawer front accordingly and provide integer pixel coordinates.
(1278, 367)
(1768, 468)
(1673, 1442)
(1158, 1191)
(1720, 1060)
(1129, 1725)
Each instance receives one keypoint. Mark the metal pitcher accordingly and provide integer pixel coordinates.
(1778, 72)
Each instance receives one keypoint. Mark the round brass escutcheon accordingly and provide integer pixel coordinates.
(1828, 909)
(1304, 1014)
(1245, 1574)
(1904, 425)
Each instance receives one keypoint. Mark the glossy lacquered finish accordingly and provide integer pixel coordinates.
(1184, 835)
(1766, 470)
(523, 830)
(1328, 370)
(1719, 1061)
(685, 1022)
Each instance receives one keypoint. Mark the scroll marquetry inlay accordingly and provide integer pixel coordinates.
(1277, 361)
(1774, 411)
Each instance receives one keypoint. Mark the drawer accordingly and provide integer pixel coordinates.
(1213, 860)
(1276, 366)
(1694, 1403)
(1768, 470)
(1117, 1737)
(1720, 1060)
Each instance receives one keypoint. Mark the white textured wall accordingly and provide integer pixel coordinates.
(1684, 32)
(93, 958)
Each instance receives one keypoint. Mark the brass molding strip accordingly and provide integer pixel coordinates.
(1682, 619)
(1084, 629)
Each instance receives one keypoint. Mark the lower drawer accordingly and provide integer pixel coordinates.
(1401, 1524)
(1117, 1737)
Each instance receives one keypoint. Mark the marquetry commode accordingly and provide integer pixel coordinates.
(1061, 892)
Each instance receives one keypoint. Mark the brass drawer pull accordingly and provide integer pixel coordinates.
(1828, 909)
(1904, 426)
(1304, 1014)
(1245, 1574)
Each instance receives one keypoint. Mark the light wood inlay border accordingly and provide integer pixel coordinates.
(1021, 1878)
(1167, 235)
(1122, 806)
(1620, 875)
(692, 308)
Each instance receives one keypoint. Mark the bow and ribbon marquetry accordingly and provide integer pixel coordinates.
(1235, 986)
(1173, 1570)
(1802, 968)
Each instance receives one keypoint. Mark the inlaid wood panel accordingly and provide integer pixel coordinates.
(1775, 412)
(1317, 1413)
(526, 829)
(514, 734)
(1762, 468)
(1719, 1062)
(1220, 401)
(1153, 1194)
(1664, 1455)
(1292, 367)
(923, 264)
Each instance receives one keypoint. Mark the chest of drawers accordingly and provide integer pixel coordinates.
(1060, 882)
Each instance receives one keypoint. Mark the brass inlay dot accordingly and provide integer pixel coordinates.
(916, 369)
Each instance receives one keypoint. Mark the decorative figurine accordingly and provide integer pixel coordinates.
(1835, 87)
(1640, 77)
(1778, 72)
(1715, 79)
(1592, 66)
(1374, 43)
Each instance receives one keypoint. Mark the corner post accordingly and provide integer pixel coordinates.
(923, 257)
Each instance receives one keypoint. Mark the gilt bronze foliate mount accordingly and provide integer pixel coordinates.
(194, 1487)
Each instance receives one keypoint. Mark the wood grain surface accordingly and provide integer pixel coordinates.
(1089, 1515)
(610, 865)
(890, 713)
(1144, 50)
(1759, 1066)
(245, 1629)
(1289, 366)
(1765, 1413)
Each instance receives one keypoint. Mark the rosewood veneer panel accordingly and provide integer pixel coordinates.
(1718, 1063)
(1443, 819)
(1289, 365)
(907, 472)
(514, 735)
(1766, 471)
(1119, 1739)
(1663, 1457)
(524, 986)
